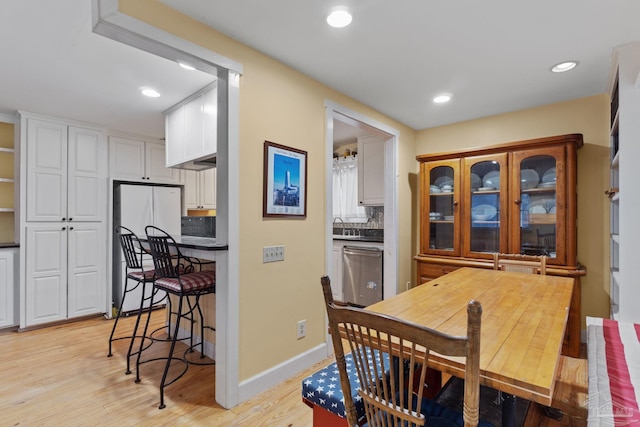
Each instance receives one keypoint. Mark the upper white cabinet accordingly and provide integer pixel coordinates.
(371, 174)
(191, 131)
(136, 160)
(200, 189)
(67, 172)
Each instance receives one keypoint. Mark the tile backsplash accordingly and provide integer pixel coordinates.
(199, 226)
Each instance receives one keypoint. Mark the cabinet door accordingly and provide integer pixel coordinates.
(155, 164)
(7, 284)
(47, 166)
(538, 203)
(174, 137)
(208, 188)
(440, 208)
(87, 171)
(210, 121)
(485, 208)
(46, 273)
(85, 269)
(371, 171)
(193, 128)
(191, 189)
(126, 158)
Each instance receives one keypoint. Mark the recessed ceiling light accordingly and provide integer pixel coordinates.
(564, 66)
(151, 93)
(441, 99)
(339, 17)
(186, 66)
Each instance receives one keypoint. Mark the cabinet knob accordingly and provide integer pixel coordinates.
(70, 219)
(64, 219)
(70, 228)
(64, 228)
(517, 202)
(455, 203)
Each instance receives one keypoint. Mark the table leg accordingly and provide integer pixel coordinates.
(508, 410)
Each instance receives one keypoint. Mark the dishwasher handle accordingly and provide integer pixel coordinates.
(367, 251)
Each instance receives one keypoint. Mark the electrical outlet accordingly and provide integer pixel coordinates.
(302, 328)
(272, 253)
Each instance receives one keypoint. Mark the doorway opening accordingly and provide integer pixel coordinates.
(342, 130)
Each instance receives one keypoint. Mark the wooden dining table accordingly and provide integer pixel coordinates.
(523, 324)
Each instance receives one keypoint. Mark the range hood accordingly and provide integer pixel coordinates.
(199, 164)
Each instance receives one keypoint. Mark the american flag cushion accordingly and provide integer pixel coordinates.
(323, 388)
(191, 282)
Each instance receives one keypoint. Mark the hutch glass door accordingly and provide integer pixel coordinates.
(441, 223)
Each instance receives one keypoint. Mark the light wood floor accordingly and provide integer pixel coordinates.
(61, 375)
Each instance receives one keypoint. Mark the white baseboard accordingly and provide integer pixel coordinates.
(279, 373)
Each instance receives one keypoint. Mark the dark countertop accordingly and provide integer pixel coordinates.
(192, 242)
(359, 238)
(9, 245)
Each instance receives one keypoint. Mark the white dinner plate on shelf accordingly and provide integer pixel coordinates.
(549, 175)
(529, 178)
(483, 213)
(476, 181)
(491, 179)
(443, 180)
(486, 189)
(547, 184)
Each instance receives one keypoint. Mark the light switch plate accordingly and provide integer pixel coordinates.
(272, 253)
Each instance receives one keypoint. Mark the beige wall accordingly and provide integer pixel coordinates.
(588, 116)
(281, 105)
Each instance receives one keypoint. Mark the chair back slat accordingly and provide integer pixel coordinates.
(389, 354)
(131, 248)
(518, 263)
(166, 260)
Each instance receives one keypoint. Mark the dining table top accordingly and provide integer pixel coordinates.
(523, 324)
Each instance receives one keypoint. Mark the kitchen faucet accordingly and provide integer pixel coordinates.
(341, 221)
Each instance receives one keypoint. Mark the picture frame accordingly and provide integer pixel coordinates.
(285, 182)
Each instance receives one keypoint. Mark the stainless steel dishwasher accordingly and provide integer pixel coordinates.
(362, 275)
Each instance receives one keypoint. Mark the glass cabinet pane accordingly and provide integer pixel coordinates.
(485, 207)
(441, 208)
(538, 229)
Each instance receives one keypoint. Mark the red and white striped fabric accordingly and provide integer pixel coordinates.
(614, 372)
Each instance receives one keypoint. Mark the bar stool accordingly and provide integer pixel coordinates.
(135, 276)
(175, 274)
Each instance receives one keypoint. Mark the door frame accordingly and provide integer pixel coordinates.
(390, 263)
(108, 21)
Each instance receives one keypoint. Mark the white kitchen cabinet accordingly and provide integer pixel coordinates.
(64, 271)
(191, 130)
(62, 223)
(8, 279)
(67, 172)
(137, 160)
(200, 189)
(371, 170)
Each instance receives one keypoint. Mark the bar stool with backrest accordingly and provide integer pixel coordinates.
(175, 274)
(135, 276)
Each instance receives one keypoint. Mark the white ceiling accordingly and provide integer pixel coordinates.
(53, 64)
(493, 55)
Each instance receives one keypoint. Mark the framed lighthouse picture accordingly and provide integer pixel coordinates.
(285, 181)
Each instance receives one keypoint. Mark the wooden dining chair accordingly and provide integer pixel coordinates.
(378, 343)
(518, 263)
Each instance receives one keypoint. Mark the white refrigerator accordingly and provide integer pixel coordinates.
(135, 207)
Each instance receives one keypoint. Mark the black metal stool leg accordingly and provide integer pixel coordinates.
(143, 338)
(135, 328)
(170, 357)
(115, 323)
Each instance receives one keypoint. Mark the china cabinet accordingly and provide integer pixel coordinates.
(517, 197)
(625, 199)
